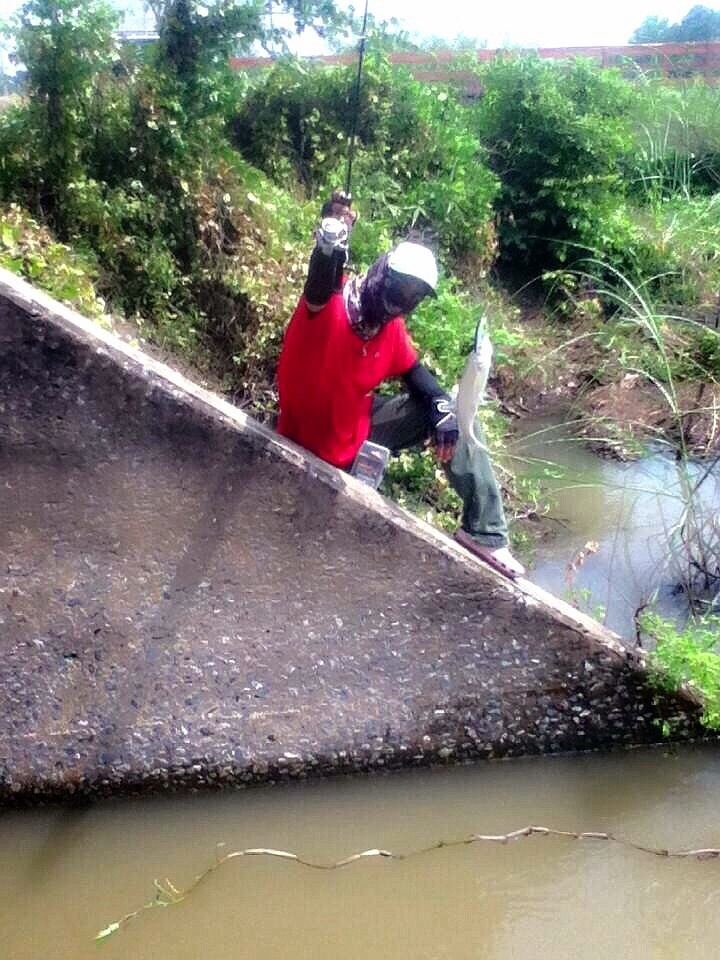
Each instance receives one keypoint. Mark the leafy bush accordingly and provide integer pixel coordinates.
(140, 167)
(255, 243)
(556, 135)
(64, 44)
(418, 166)
(444, 328)
(29, 250)
(417, 482)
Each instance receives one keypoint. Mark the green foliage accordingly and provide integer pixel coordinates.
(28, 250)
(651, 30)
(691, 656)
(140, 183)
(255, 245)
(686, 235)
(417, 166)
(242, 25)
(700, 23)
(444, 329)
(63, 44)
(417, 481)
(642, 339)
(677, 132)
(556, 134)
(665, 256)
(122, 154)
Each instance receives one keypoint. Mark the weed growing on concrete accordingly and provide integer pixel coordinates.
(689, 655)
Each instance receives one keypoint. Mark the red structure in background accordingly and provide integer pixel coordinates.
(672, 60)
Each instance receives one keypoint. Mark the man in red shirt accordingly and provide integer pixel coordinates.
(346, 337)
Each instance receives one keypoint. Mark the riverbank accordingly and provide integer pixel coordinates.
(578, 372)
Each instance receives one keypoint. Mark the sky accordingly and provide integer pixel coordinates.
(526, 23)
(551, 23)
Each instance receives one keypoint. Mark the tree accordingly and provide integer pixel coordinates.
(253, 20)
(63, 45)
(651, 30)
(700, 23)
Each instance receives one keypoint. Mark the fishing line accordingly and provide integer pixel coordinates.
(356, 104)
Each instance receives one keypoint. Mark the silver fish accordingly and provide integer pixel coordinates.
(472, 384)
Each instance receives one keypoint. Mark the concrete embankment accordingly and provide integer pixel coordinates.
(186, 599)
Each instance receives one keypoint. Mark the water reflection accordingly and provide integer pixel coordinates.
(632, 510)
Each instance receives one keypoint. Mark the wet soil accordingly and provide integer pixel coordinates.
(618, 413)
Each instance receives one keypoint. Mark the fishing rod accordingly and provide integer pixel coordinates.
(356, 104)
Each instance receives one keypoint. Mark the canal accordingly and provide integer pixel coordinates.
(66, 873)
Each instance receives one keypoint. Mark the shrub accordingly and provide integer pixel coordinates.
(64, 44)
(556, 135)
(418, 165)
(29, 250)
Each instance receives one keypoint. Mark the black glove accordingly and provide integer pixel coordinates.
(445, 427)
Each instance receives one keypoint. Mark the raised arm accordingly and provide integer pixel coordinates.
(328, 259)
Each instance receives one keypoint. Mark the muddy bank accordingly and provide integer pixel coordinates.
(567, 373)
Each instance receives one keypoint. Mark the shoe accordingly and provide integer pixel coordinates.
(499, 559)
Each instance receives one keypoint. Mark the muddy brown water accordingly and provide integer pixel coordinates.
(630, 510)
(66, 873)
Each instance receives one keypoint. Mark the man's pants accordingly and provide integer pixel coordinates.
(401, 422)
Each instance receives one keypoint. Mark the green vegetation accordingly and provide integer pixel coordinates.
(124, 157)
(700, 23)
(691, 656)
(418, 165)
(28, 249)
(677, 140)
(556, 139)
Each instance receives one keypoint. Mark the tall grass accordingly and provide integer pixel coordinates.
(678, 139)
(693, 554)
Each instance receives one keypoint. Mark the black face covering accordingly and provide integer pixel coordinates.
(401, 294)
(375, 299)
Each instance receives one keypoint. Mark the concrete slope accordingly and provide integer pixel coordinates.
(187, 599)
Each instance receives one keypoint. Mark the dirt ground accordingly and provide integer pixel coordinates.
(618, 417)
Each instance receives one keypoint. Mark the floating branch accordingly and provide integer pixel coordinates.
(168, 895)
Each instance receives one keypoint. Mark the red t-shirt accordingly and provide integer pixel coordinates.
(327, 374)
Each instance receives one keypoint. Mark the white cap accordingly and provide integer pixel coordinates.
(416, 261)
